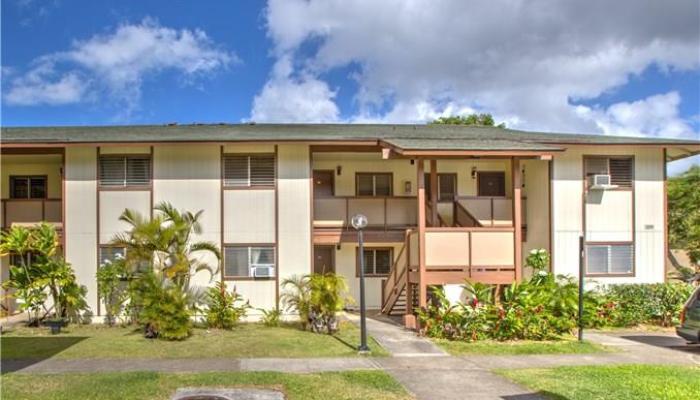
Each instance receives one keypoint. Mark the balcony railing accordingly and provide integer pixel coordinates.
(491, 211)
(391, 212)
(30, 211)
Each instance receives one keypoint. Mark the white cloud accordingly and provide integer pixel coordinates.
(656, 115)
(117, 63)
(523, 61)
(288, 98)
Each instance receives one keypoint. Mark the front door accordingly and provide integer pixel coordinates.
(324, 259)
(491, 183)
(323, 183)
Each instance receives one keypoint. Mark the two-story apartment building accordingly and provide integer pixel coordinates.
(444, 203)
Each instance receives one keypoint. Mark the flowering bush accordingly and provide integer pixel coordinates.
(546, 307)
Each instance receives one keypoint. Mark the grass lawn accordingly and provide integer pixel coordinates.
(244, 341)
(612, 382)
(488, 347)
(151, 385)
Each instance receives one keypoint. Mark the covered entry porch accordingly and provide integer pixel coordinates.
(441, 218)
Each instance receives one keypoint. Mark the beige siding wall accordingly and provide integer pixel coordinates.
(609, 216)
(112, 205)
(249, 217)
(567, 212)
(536, 206)
(188, 177)
(125, 149)
(81, 217)
(294, 210)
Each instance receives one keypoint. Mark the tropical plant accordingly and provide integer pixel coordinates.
(329, 294)
(47, 272)
(271, 317)
(31, 297)
(471, 119)
(297, 297)
(223, 312)
(316, 298)
(112, 287)
(164, 309)
(165, 242)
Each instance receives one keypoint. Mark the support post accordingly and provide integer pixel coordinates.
(517, 218)
(433, 193)
(422, 289)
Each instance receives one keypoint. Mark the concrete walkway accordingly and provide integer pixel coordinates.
(436, 375)
(396, 340)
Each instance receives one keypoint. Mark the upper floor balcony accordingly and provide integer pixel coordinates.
(31, 189)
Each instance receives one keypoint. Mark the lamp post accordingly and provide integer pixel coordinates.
(359, 222)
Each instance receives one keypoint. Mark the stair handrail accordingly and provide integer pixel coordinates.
(397, 272)
(458, 207)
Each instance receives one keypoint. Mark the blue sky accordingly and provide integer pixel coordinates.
(630, 68)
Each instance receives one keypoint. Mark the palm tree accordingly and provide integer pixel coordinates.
(165, 242)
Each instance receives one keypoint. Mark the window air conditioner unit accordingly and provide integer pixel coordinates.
(600, 182)
(263, 271)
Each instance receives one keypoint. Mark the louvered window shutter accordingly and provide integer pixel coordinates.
(621, 173)
(249, 171)
(112, 171)
(138, 171)
(236, 171)
(262, 170)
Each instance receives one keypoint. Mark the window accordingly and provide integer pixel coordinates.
(447, 187)
(620, 169)
(371, 184)
(378, 261)
(123, 171)
(28, 187)
(110, 254)
(244, 171)
(609, 259)
(249, 262)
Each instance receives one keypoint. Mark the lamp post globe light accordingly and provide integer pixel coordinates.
(359, 222)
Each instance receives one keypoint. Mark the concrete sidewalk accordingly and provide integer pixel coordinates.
(290, 365)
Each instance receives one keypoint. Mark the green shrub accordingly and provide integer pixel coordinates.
(634, 304)
(163, 310)
(222, 309)
(271, 317)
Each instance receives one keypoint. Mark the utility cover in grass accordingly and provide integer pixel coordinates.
(226, 394)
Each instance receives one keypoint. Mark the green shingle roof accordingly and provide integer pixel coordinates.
(408, 137)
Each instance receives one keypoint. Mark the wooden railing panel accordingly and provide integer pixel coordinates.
(53, 211)
(502, 212)
(401, 212)
(492, 248)
(330, 212)
(446, 249)
(413, 258)
(28, 211)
